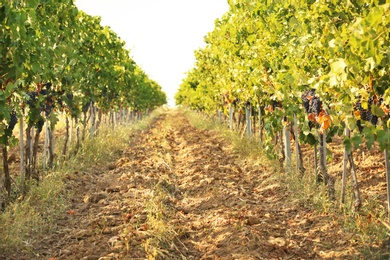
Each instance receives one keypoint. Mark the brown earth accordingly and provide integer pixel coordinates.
(182, 193)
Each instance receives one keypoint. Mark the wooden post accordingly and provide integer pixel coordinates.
(386, 152)
(315, 163)
(92, 129)
(344, 176)
(260, 126)
(22, 163)
(323, 151)
(298, 166)
(45, 145)
(66, 135)
(31, 146)
(248, 121)
(231, 117)
(358, 199)
(71, 131)
(287, 147)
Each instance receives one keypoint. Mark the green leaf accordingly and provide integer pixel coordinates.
(347, 144)
(356, 140)
(376, 111)
(383, 138)
(369, 136)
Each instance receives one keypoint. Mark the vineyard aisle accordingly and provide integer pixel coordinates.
(181, 193)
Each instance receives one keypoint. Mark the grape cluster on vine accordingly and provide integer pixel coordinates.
(236, 102)
(316, 113)
(311, 102)
(45, 104)
(365, 114)
(13, 120)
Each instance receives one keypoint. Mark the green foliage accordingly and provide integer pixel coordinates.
(53, 42)
(264, 51)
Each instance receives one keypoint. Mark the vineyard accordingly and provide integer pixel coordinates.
(316, 72)
(56, 62)
(280, 149)
(181, 187)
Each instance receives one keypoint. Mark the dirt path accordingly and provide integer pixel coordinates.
(181, 193)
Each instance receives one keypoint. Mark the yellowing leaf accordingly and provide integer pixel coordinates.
(357, 114)
(324, 120)
(365, 105)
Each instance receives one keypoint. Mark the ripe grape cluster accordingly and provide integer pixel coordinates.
(40, 124)
(43, 98)
(311, 102)
(365, 114)
(312, 105)
(13, 120)
(236, 102)
(32, 97)
(276, 104)
(247, 104)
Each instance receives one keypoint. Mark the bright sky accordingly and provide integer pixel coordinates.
(162, 34)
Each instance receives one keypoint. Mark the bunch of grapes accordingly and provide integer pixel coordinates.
(364, 114)
(276, 104)
(33, 96)
(313, 108)
(311, 102)
(248, 104)
(47, 107)
(384, 107)
(13, 120)
(40, 124)
(305, 99)
(236, 102)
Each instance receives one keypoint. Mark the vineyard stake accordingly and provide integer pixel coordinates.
(260, 126)
(358, 200)
(386, 152)
(71, 130)
(21, 148)
(248, 121)
(298, 166)
(315, 163)
(231, 117)
(287, 147)
(323, 168)
(31, 145)
(45, 143)
(93, 121)
(345, 162)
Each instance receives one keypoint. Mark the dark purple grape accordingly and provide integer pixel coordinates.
(276, 104)
(306, 100)
(40, 124)
(13, 120)
(32, 98)
(315, 106)
(248, 105)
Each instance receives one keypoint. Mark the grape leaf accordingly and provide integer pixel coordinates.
(356, 140)
(347, 144)
(376, 111)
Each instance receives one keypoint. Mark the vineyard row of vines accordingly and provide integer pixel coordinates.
(58, 62)
(320, 66)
